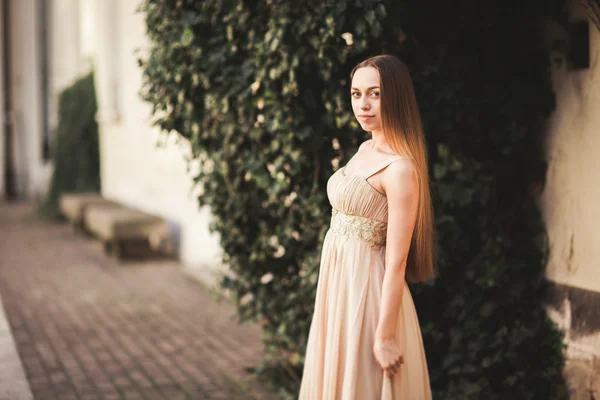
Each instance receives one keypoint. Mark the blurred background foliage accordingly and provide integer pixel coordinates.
(75, 151)
(261, 90)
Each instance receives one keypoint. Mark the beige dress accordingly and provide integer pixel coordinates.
(339, 362)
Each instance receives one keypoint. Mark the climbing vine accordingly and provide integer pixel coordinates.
(260, 89)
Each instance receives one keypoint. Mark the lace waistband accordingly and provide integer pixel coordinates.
(369, 230)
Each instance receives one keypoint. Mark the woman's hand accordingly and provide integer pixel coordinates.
(388, 356)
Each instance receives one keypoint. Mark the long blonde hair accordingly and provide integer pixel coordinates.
(403, 131)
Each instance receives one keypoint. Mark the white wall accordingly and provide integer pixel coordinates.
(86, 31)
(65, 58)
(133, 170)
(571, 199)
(570, 205)
(65, 63)
(31, 171)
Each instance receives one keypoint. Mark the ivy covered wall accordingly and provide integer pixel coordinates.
(261, 91)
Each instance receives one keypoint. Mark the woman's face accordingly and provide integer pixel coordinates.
(366, 94)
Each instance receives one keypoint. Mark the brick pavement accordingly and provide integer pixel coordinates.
(88, 328)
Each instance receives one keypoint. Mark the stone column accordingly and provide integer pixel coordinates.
(106, 60)
(64, 57)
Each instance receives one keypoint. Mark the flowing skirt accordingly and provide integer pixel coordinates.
(339, 362)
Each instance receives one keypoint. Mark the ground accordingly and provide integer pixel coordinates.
(88, 327)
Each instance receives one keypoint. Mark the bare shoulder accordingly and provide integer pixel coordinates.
(364, 144)
(400, 177)
(402, 168)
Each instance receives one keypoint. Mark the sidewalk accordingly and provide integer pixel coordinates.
(87, 328)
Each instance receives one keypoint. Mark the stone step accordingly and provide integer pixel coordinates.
(73, 205)
(117, 226)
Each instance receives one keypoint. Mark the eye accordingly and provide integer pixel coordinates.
(375, 94)
(355, 94)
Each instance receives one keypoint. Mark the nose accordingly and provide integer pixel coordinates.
(364, 103)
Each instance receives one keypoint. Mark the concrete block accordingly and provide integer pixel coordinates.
(73, 205)
(116, 225)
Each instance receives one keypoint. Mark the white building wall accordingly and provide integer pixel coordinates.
(570, 205)
(65, 55)
(133, 169)
(25, 80)
(571, 199)
(65, 63)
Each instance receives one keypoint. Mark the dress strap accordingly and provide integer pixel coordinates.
(373, 170)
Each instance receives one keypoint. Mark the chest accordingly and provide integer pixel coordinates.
(352, 194)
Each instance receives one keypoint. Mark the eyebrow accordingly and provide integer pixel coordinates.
(372, 87)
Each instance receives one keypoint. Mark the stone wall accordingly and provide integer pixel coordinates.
(571, 209)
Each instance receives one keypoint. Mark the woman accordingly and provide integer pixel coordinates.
(365, 342)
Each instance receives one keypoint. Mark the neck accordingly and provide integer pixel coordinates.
(379, 141)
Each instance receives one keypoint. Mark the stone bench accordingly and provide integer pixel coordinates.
(73, 205)
(117, 226)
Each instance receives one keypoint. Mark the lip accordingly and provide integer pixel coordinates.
(365, 117)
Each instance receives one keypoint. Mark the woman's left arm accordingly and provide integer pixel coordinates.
(401, 188)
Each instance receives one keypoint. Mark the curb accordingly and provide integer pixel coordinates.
(13, 381)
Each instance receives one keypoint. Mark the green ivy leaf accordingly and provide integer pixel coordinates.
(187, 37)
